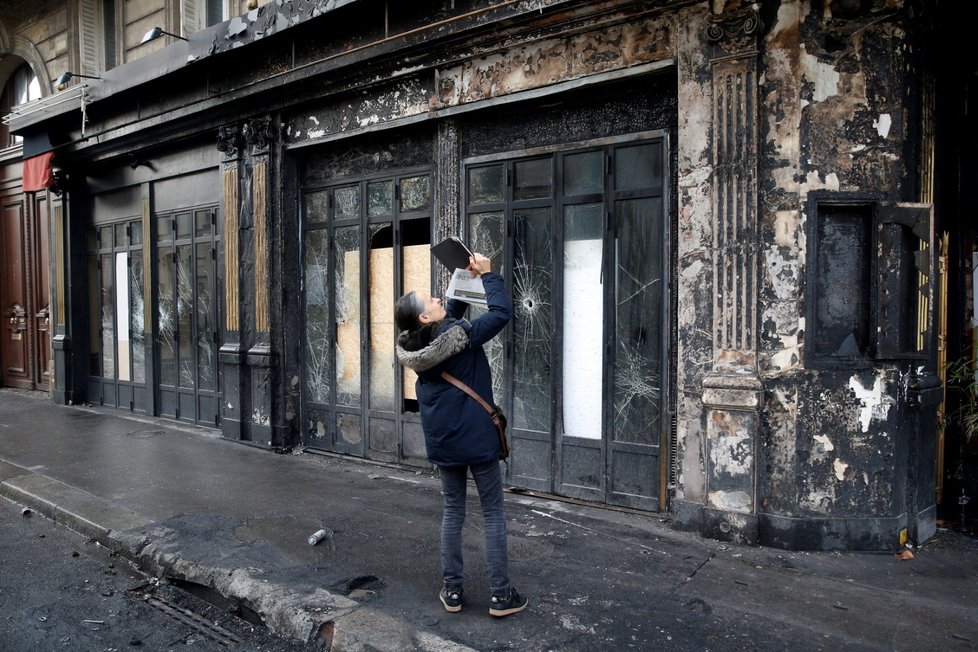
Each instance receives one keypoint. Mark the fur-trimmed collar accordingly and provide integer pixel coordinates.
(424, 348)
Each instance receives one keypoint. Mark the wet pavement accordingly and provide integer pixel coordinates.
(189, 506)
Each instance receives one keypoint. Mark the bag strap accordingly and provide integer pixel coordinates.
(468, 390)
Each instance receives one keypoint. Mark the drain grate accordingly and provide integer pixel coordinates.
(194, 621)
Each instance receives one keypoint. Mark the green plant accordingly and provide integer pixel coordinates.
(962, 378)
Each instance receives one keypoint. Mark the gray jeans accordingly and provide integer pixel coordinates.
(489, 482)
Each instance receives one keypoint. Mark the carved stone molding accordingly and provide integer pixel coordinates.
(735, 31)
(258, 133)
(229, 141)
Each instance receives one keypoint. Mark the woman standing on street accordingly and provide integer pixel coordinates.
(459, 435)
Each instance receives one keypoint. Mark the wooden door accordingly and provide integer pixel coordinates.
(15, 343)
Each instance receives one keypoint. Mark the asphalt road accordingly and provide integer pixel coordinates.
(59, 591)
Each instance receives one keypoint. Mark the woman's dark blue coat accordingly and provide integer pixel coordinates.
(457, 429)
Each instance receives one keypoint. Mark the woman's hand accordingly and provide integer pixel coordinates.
(479, 264)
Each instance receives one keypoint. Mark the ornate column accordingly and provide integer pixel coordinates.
(234, 381)
(732, 391)
(261, 357)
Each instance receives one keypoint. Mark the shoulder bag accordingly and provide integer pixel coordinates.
(495, 412)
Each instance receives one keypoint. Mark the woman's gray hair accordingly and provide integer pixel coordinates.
(407, 310)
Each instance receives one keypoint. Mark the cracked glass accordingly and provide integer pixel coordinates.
(167, 319)
(486, 236)
(638, 326)
(380, 198)
(347, 203)
(108, 319)
(346, 286)
(415, 193)
(317, 359)
(185, 309)
(137, 330)
(532, 318)
(206, 346)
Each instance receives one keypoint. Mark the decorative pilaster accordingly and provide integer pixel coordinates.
(232, 355)
(447, 189)
(262, 360)
(733, 392)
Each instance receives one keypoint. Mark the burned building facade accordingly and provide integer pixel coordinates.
(717, 221)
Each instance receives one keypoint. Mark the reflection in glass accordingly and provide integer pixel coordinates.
(122, 312)
(532, 318)
(583, 173)
(639, 166)
(164, 229)
(347, 202)
(486, 184)
(533, 179)
(380, 198)
(137, 330)
(167, 319)
(318, 377)
(206, 347)
(415, 193)
(94, 318)
(316, 206)
(638, 323)
(202, 223)
(185, 315)
(346, 248)
(184, 225)
(583, 333)
(108, 322)
(381, 289)
(136, 232)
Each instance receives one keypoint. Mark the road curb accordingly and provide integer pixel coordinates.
(299, 612)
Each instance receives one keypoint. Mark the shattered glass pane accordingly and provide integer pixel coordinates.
(486, 235)
(346, 249)
(122, 309)
(137, 328)
(532, 318)
(533, 179)
(583, 173)
(382, 317)
(185, 311)
(638, 166)
(638, 323)
(167, 319)
(415, 193)
(486, 184)
(380, 198)
(206, 347)
(316, 206)
(108, 323)
(347, 202)
(318, 375)
(583, 333)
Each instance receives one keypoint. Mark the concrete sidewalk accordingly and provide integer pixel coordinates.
(190, 506)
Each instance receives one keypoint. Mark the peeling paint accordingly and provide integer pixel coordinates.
(882, 125)
(735, 501)
(825, 442)
(840, 468)
(824, 77)
(871, 401)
